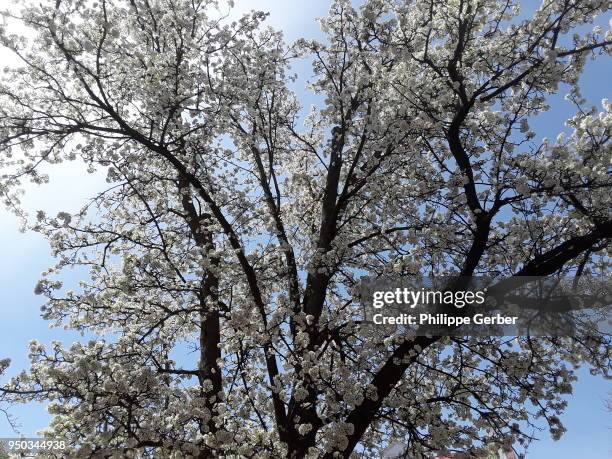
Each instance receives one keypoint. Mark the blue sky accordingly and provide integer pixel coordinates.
(24, 256)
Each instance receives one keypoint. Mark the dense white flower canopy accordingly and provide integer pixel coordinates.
(236, 228)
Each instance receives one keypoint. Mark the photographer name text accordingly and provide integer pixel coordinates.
(405, 297)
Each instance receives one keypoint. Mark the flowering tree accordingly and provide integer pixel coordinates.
(222, 255)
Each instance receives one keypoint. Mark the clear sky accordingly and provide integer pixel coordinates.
(24, 256)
